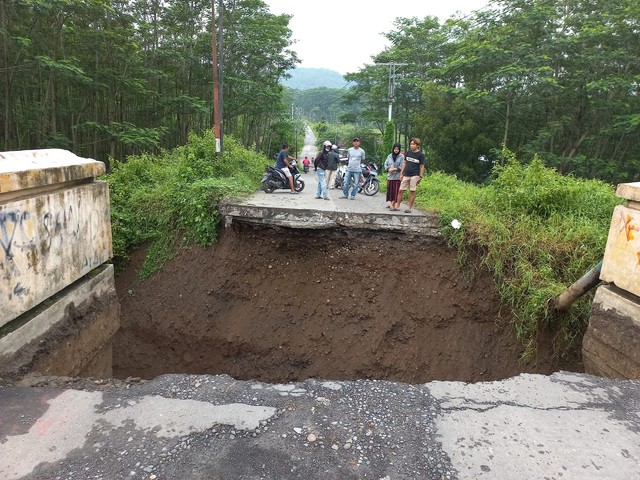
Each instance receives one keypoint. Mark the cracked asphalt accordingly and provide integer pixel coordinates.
(566, 426)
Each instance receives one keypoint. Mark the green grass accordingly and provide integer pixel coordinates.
(536, 231)
(168, 200)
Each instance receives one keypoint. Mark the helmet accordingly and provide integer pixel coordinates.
(334, 147)
(326, 143)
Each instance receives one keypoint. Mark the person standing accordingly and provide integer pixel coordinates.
(393, 165)
(355, 156)
(282, 163)
(411, 174)
(332, 167)
(320, 166)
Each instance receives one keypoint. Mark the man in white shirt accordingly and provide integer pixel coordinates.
(356, 158)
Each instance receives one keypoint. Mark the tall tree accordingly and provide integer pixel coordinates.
(256, 56)
(559, 79)
(112, 77)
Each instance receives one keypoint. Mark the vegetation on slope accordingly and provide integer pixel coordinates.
(536, 230)
(171, 199)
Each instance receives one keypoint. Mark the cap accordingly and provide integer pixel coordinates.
(355, 139)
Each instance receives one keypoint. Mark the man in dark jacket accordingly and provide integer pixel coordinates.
(320, 166)
(332, 166)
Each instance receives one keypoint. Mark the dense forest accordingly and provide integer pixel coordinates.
(560, 79)
(115, 77)
(557, 79)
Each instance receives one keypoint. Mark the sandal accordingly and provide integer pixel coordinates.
(394, 209)
(407, 211)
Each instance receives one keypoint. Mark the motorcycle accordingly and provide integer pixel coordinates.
(371, 184)
(305, 167)
(274, 179)
(340, 173)
(368, 182)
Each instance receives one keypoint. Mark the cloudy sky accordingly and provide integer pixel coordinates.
(342, 35)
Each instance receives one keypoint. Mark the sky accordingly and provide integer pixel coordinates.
(342, 35)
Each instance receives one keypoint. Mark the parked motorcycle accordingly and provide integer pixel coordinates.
(371, 184)
(274, 179)
(368, 182)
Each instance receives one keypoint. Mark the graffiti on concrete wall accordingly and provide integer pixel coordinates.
(621, 263)
(11, 221)
(21, 231)
(48, 242)
(629, 224)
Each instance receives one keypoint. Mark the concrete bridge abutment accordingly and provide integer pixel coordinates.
(611, 345)
(59, 307)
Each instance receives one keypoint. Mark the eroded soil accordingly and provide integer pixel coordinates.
(281, 305)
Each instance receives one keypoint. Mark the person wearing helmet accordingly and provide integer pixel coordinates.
(320, 166)
(332, 166)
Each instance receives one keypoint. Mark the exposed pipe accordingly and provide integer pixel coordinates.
(589, 280)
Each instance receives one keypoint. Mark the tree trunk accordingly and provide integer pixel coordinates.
(506, 124)
(7, 77)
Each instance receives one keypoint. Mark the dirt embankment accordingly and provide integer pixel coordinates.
(282, 306)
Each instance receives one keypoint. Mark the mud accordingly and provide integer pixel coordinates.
(282, 305)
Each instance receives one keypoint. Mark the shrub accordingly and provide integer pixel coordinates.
(536, 230)
(171, 199)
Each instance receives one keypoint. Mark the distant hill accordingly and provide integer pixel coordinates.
(306, 78)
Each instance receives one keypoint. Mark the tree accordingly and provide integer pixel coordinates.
(557, 79)
(115, 77)
(388, 137)
(256, 56)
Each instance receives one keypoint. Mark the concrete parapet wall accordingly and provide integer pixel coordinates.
(24, 170)
(621, 264)
(54, 226)
(59, 306)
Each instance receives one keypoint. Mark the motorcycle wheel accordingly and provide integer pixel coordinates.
(299, 185)
(267, 187)
(372, 187)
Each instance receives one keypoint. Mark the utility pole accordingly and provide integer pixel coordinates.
(391, 88)
(216, 85)
(221, 72)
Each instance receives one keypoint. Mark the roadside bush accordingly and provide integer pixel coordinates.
(171, 199)
(536, 231)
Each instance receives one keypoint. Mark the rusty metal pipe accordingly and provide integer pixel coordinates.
(589, 280)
